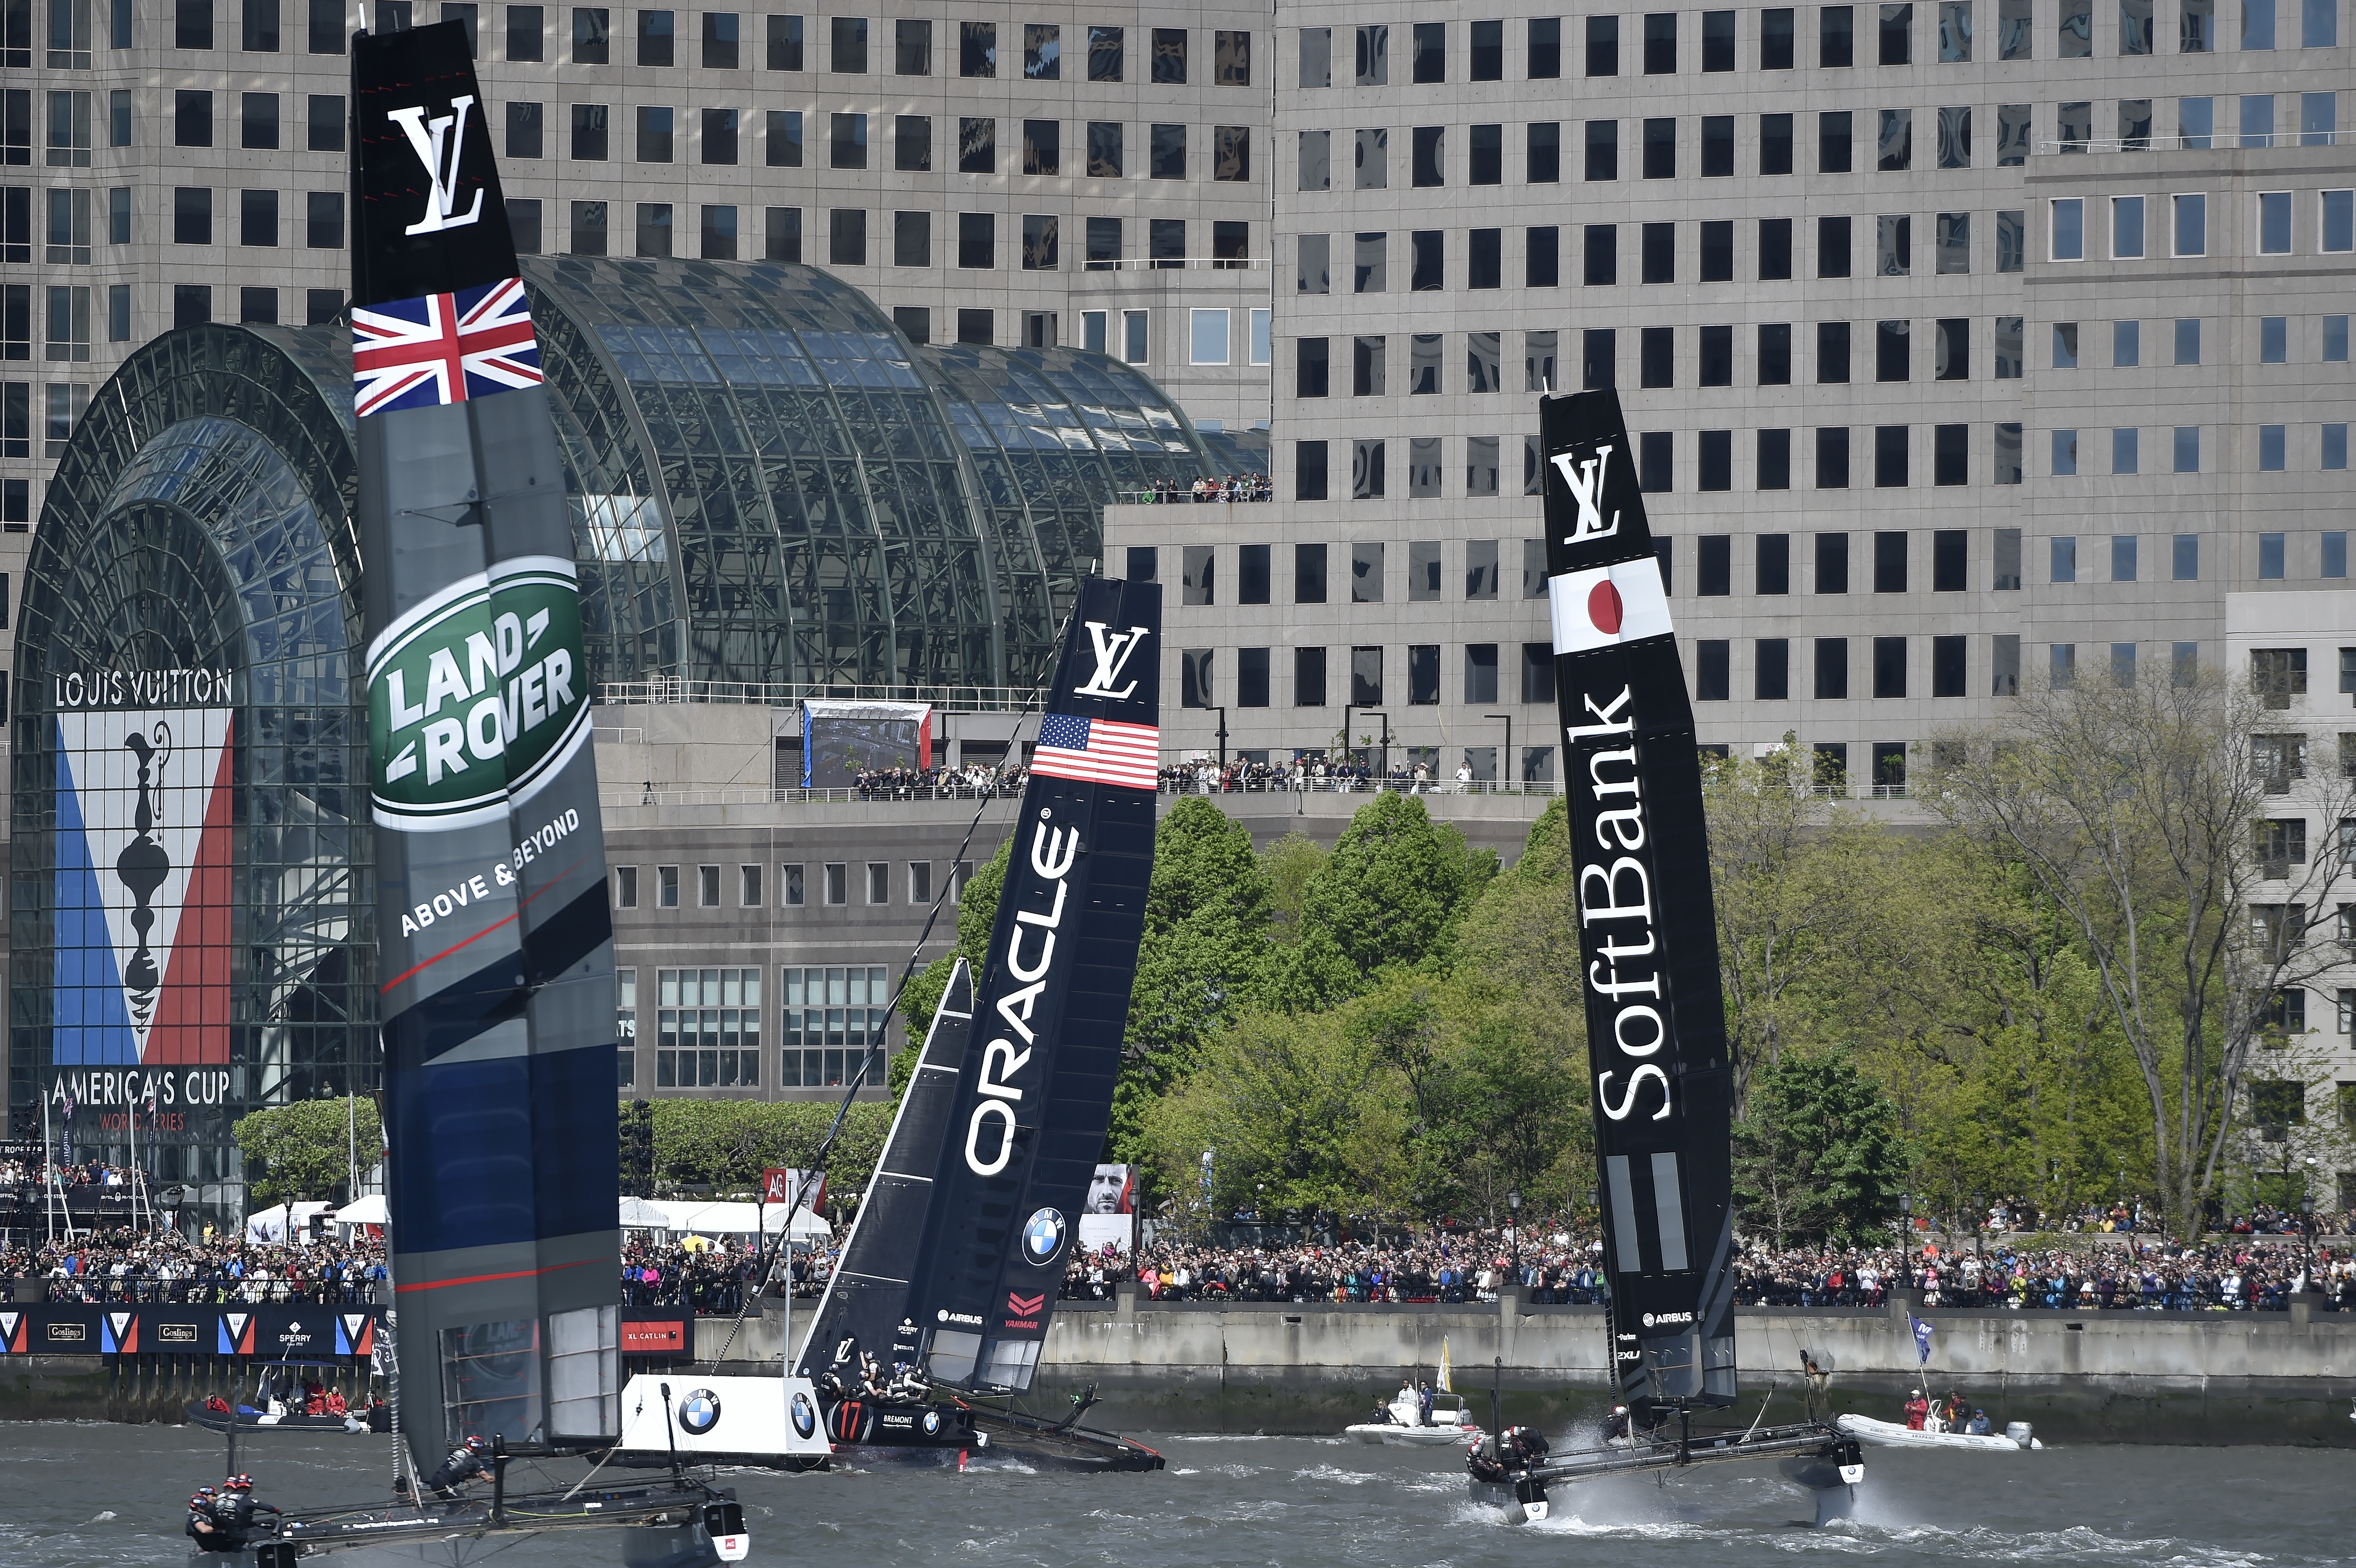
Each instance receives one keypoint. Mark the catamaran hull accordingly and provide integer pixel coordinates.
(1515, 1502)
(987, 1440)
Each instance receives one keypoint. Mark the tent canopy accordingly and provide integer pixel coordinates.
(367, 1210)
(723, 1218)
(274, 1224)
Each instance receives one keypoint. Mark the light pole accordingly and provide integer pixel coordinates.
(1513, 1207)
(1222, 712)
(1506, 764)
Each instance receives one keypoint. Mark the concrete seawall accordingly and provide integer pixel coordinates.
(2150, 1377)
(2137, 1377)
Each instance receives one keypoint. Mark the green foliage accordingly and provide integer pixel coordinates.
(726, 1144)
(1394, 889)
(1818, 1155)
(304, 1150)
(1291, 862)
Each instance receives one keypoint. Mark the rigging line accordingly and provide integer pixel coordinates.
(907, 972)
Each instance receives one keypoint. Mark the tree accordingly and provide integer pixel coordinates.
(726, 1144)
(1395, 887)
(1291, 862)
(2140, 811)
(1817, 1156)
(1783, 865)
(306, 1150)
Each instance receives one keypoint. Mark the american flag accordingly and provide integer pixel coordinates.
(442, 348)
(1098, 751)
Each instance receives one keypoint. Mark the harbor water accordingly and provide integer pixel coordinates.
(91, 1495)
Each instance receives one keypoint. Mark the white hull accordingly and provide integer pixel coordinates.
(1413, 1436)
(1892, 1434)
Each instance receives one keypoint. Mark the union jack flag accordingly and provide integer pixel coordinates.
(442, 348)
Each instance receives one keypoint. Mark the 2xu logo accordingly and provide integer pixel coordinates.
(477, 696)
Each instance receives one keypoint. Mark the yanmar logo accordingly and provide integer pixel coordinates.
(1024, 1305)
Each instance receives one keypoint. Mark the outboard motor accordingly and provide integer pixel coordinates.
(2022, 1433)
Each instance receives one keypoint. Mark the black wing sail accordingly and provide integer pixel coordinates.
(495, 956)
(866, 1302)
(1035, 1095)
(1647, 932)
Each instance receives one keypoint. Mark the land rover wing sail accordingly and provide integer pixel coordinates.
(1648, 941)
(1035, 1095)
(866, 1307)
(495, 945)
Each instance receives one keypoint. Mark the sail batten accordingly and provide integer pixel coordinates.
(1660, 1084)
(494, 934)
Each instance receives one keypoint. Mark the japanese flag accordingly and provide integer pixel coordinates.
(1607, 605)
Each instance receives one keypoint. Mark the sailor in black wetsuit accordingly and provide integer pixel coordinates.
(465, 1463)
(238, 1502)
(202, 1528)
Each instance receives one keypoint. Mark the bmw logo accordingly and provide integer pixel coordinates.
(932, 1423)
(1043, 1237)
(1648, 1320)
(943, 1315)
(699, 1413)
(805, 1416)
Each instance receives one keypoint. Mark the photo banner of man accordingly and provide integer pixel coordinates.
(1109, 1220)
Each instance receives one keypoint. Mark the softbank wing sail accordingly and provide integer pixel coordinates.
(496, 951)
(866, 1306)
(1034, 1093)
(1648, 940)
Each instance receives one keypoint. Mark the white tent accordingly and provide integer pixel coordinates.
(711, 1219)
(637, 1214)
(274, 1224)
(367, 1210)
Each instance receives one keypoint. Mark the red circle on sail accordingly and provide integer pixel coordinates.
(1603, 607)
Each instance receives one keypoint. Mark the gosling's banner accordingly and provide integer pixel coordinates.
(1648, 940)
(1034, 1091)
(496, 949)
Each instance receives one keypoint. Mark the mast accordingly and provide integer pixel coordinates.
(1033, 1103)
(494, 941)
(1662, 1086)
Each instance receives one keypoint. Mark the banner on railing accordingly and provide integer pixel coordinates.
(268, 1331)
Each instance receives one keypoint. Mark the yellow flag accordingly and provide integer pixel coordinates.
(1445, 1387)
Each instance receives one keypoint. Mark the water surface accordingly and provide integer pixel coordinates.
(82, 1495)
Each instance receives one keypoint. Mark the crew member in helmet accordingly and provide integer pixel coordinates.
(465, 1461)
(1616, 1424)
(202, 1528)
(237, 1497)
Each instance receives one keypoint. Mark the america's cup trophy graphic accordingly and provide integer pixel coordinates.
(142, 868)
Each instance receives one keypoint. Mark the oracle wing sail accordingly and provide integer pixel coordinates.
(1035, 1095)
(495, 945)
(866, 1305)
(1647, 932)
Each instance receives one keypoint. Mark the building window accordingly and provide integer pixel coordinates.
(708, 1029)
(667, 887)
(837, 884)
(834, 1025)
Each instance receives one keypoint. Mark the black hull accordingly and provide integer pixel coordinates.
(967, 1438)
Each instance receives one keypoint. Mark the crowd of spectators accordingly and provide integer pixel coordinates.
(163, 1266)
(936, 783)
(1562, 1268)
(1226, 487)
(1338, 773)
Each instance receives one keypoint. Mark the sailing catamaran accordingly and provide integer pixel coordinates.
(495, 945)
(934, 1318)
(1655, 1022)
